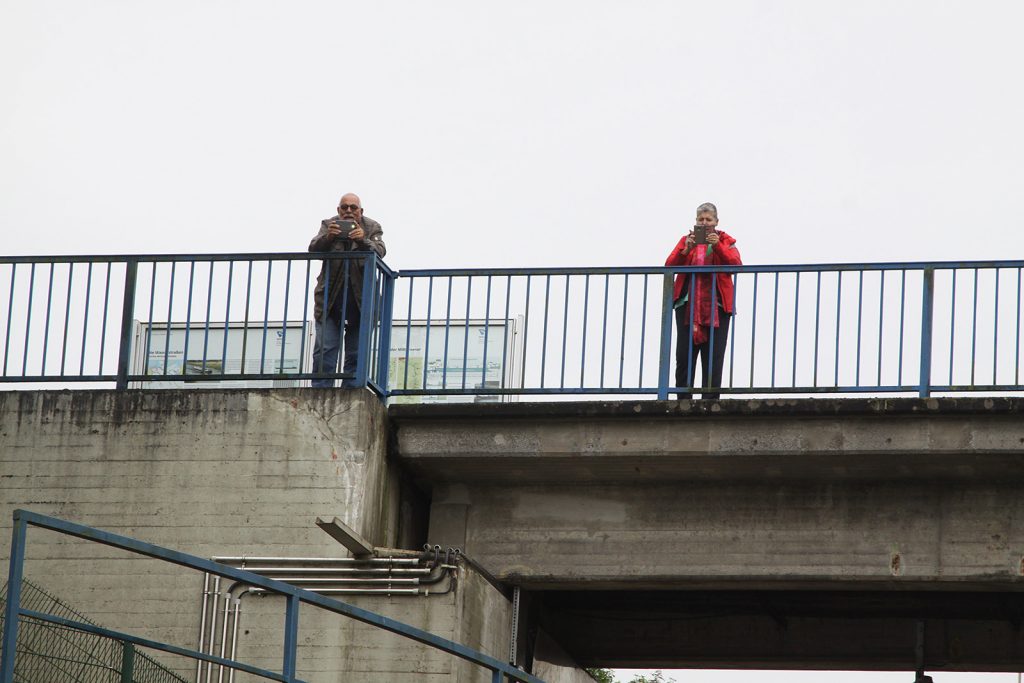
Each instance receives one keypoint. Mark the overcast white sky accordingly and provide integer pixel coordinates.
(516, 134)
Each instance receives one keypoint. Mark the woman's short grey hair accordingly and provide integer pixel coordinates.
(707, 207)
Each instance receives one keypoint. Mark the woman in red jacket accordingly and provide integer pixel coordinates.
(706, 337)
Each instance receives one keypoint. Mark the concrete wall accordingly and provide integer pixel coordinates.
(209, 473)
(229, 473)
(738, 495)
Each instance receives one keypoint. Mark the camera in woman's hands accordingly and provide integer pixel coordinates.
(700, 234)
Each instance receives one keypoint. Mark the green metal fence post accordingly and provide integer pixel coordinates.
(127, 662)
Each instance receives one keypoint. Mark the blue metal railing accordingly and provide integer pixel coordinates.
(14, 611)
(916, 328)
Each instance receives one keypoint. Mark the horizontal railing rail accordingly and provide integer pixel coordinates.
(492, 334)
(13, 610)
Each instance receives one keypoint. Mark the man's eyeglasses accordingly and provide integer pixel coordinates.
(348, 207)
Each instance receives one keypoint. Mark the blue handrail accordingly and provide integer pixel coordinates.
(295, 596)
(906, 327)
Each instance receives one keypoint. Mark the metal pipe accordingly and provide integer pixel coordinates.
(306, 580)
(234, 635)
(202, 625)
(337, 570)
(213, 627)
(323, 560)
(224, 635)
(354, 591)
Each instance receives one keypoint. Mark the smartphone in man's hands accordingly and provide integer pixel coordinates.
(346, 227)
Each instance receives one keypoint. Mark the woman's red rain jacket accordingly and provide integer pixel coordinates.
(723, 253)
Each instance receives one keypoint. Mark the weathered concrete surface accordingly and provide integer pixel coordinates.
(747, 534)
(728, 495)
(230, 473)
(209, 473)
(657, 441)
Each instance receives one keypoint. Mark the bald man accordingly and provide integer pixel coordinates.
(337, 321)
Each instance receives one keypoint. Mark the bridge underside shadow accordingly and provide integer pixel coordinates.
(832, 630)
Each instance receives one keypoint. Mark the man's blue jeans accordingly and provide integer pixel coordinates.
(328, 344)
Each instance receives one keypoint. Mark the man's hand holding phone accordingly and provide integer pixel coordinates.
(346, 230)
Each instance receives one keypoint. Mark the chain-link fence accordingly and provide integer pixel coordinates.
(48, 653)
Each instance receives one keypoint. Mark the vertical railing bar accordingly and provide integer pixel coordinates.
(284, 313)
(565, 332)
(227, 316)
(526, 329)
(505, 330)
(103, 324)
(732, 337)
(995, 332)
(586, 306)
(604, 326)
(1016, 354)
(266, 315)
(903, 298)
(487, 330)
(245, 316)
(408, 336)
(149, 323)
(775, 325)
(465, 340)
(10, 318)
(170, 304)
(796, 319)
(643, 330)
(817, 325)
(860, 322)
(12, 607)
(544, 337)
(367, 317)
(327, 265)
(927, 299)
(426, 339)
(839, 314)
(127, 318)
(46, 323)
(690, 370)
(710, 358)
(447, 332)
(291, 635)
(881, 322)
(374, 348)
(305, 314)
(346, 280)
(665, 335)
(622, 341)
(387, 319)
(974, 326)
(753, 330)
(85, 320)
(67, 317)
(188, 315)
(952, 327)
(206, 326)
